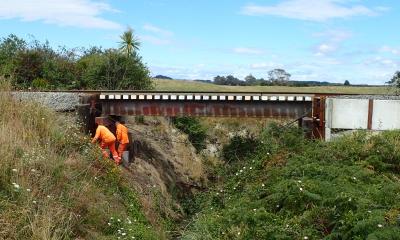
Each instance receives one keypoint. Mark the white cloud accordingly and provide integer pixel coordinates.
(311, 10)
(382, 62)
(265, 65)
(76, 13)
(248, 51)
(154, 40)
(324, 49)
(154, 29)
(333, 40)
(335, 35)
(392, 50)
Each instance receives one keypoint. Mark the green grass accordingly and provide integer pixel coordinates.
(292, 188)
(186, 85)
(54, 184)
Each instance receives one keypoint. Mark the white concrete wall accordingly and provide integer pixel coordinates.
(347, 113)
(386, 115)
(352, 114)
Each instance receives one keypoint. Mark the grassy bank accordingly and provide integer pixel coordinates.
(185, 85)
(291, 188)
(55, 185)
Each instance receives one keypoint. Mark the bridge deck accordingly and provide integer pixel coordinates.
(206, 104)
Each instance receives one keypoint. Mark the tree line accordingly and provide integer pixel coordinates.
(36, 65)
(276, 77)
(279, 77)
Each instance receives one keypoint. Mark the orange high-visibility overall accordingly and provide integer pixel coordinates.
(122, 138)
(107, 141)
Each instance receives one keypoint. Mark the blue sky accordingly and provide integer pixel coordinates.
(322, 40)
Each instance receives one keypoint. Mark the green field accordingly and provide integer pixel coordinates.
(186, 85)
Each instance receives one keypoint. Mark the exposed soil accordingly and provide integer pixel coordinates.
(164, 169)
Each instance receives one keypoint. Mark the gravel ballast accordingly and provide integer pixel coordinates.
(58, 101)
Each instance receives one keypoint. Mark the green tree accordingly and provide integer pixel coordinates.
(395, 81)
(346, 83)
(278, 76)
(129, 44)
(9, 47)
(250, 80)
(112, 70)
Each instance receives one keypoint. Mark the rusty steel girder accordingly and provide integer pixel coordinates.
(273, 109)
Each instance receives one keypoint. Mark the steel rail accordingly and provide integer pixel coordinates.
(197, 92)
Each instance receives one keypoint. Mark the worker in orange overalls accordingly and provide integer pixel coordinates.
(107, 139)
(122, 138)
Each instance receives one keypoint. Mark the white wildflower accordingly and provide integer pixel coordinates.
(28, 189)
(301, 189)
(34, 202)
(380, 225)
(263, 185)
(123, 234)
(14, 170)
(109, 224)
(305, 237)
(299, 181)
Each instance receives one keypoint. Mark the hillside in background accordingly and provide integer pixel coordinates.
(187, 85)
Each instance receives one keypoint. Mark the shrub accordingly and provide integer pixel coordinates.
(197, 134)
(292, 188)
(239, 148)
(40, 84)
(92, 68)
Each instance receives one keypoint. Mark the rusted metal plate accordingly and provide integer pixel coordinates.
(103, 121)
(318, 115)
(370, 113)
(198, 108)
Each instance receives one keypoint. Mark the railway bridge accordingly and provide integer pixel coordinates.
(306, 107)
(321, 115)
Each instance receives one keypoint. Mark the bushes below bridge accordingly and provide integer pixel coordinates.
(293, 188)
